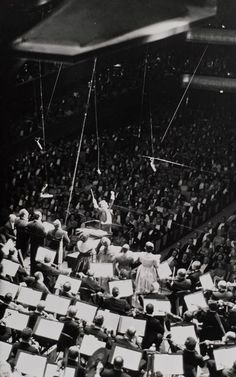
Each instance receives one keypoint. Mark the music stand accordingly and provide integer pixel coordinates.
(179, 334)
(161, 307)
(85, 311)
(195, 300)
(164, 271)
(47, 329)
(43, 252)
(75, 283)
(5, 350)
(127, 322)
(7, 287)
(206, 282)
(57, 304)
(15, 320)
(168, 364)
(111, 320)
(52, 370)
(125, 287)
(132, 359)
(9, 245)
(9, 268)
(104, 270)
(224, 357)
(32, 365)
(29, 296)
(90, 344)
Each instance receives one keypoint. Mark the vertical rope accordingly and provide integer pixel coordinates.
(42, 120)
(53, 91)
(96, 125)
(184, 94)
(143, 91)
(80, 141)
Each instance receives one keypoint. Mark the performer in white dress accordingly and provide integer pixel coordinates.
(147, 271)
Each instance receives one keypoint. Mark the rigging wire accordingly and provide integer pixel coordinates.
(81, 139)
(96, 126)
(42, 120)
(184, 94)
(143, 92)
(53, 91)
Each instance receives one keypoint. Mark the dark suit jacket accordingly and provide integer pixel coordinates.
(116, 305)
(37, 233)
(97, 332)
(153, 328)
(9, 231)
(22, 235)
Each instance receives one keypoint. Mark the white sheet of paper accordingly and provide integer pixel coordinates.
(131, 358)
(164, 270)
(179, 334)
(104, 270)
(5, 349)
(195, 300)
(7, 287)
(43, 252)
(127, 322)
(111, 320)
(168, 364)
(32, 365)
(53, 370)
(224, 357)
(90, 344)
(15, 320)
(48, 329)
(75, 283)
(29, 296)
(56, 304)
(9, 268)
(9, 245)
(85, 311)
(125, 287)
(161, 307)
(206, 281)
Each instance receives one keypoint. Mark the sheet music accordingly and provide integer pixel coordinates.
(168, 364)
(85, 311)
(111, 320)
(48, 329)
(9, 268)
(57, 304)
(161, 307)
(7, 287)
(9, 245)
(179, 334)
(195, 300)
(104, 270)
(29, 296)
(131, 358)
(43, 252)
(75, 283)
(206, 281)
(5, 349)
(53, 370)
(125, 287)
(32, 365)
(164, 270)
(15, 320)
(127, 322)
(90, 344)
(224, 357)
